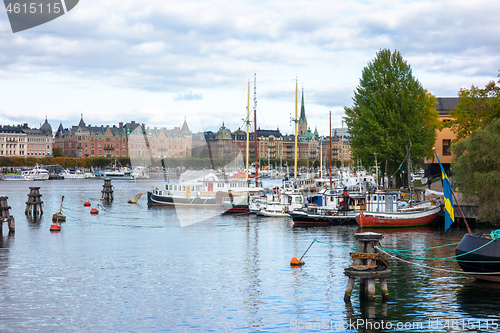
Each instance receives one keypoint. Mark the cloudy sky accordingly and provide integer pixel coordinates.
(160, 61)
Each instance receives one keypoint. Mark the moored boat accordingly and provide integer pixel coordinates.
(382, 211)
(322, 217)
(37, 173)
(72, 174)
(13, 176)
(198, 188)
(479, 256)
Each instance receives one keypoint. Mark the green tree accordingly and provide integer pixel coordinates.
(391, 109)
(476, 108)
(57, 152)
(476, 170)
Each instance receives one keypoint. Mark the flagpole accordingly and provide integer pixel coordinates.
(453, 193)
(463, 216)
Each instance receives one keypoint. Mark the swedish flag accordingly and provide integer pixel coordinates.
(449, 217)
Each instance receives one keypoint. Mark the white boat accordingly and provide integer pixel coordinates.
(140, 172)
(279, 203)
(116, 172)
(199, 188)
(36, 173)
(72, 174)
(13, 176)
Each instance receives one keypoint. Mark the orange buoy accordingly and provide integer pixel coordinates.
(296, 262)
(94, 211)
(86, 204)
(55, 227)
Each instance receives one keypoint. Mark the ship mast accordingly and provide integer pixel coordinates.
(330, 150)
(296, 92)
(255, 128)
(248, 130)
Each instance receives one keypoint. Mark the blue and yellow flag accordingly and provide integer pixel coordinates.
(449, 216)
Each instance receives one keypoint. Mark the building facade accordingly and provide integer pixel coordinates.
(125, 140)
(23, 141)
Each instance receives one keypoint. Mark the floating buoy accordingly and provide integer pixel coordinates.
(55, 227)
(86, 204)
(296, 262)
(94, 211)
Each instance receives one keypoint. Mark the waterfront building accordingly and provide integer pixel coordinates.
(444, 137)
(23, 141)
(130, 139)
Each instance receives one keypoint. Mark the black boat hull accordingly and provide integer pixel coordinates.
(477, 254)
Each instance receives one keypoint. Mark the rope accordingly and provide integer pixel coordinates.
(346, 247)
(443, 259)
(437, 269)
(427, 248)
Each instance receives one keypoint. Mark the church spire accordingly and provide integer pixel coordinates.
(302, 120)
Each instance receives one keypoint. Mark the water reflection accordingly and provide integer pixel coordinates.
(5, 243)
(253, 290)
(479, 299)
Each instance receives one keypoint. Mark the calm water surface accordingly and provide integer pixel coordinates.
(136, 269)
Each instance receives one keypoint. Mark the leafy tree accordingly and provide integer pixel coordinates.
(476, 170)
(476, 108)
(57, 152)
(59, 160)
(390, 110)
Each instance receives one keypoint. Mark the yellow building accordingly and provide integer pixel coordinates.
(443, 137)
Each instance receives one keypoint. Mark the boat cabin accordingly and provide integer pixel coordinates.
(382, 202)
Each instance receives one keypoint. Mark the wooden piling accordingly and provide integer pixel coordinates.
(5, 215)
(107, 190)
(368, 265)
(34, 205)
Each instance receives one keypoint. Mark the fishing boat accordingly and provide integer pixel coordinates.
(198, 188)
(37, 173)
(479, 256)
(382, 211)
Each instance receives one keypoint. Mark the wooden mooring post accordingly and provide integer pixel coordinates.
(107, 190)
(34, 203)
(5, 215)
(369, 264)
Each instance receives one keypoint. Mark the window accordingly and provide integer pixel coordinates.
(446, 147)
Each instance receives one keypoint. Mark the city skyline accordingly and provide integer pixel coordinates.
(163, 61)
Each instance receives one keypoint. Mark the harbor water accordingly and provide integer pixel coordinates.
(134, 268)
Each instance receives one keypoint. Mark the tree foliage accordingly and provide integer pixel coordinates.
(476, 170)
(390, 109)
(476, 108)
(57, 152)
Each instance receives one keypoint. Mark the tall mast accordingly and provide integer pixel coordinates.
(296, 92)
(330, 149)
(248, 130)
(255, 128)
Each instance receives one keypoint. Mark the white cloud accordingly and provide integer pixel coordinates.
(159, 61)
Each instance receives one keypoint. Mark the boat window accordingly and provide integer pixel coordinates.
(184, 188)
(383, 198)
(375, 198)
(175, 187)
